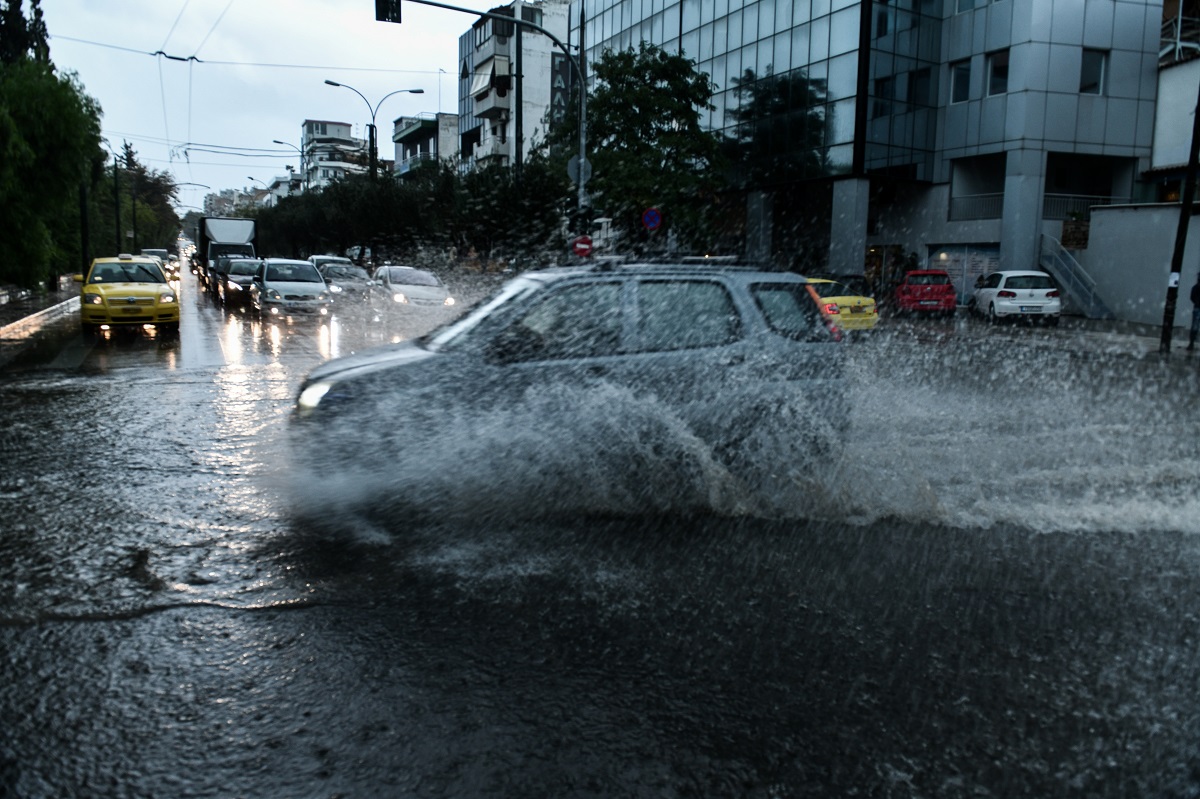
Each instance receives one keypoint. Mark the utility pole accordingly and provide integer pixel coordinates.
(1185, 214)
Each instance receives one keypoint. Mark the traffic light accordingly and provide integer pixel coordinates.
(387, 10)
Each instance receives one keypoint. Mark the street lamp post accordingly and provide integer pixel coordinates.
(372, 142)
(300, 152)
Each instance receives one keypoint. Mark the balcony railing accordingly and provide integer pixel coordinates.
(414, 162)
(1075, 206)
(1180, 38)
(976, 206)
(1054, 206)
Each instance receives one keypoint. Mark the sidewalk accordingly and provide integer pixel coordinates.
(22, 309)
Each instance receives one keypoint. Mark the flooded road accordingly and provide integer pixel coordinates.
(992, 590)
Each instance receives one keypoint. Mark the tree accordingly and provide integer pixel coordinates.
(646, 143)
(49, 143)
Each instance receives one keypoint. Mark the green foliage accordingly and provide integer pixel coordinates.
(491, 211)
(647, 146)
(23, 39)
(49, 134)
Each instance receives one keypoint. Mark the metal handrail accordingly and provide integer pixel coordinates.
(1074, 279)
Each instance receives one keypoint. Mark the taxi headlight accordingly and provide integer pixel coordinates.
(311, 396)
(166, 296)
(93, 299)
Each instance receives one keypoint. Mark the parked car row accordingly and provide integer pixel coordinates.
(850, 303)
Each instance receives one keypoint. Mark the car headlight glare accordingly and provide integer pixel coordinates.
(311, 396)
(324, 295)
(231, 285)
(448, 301)
(398, 297)
(336, 289)
(273, 294)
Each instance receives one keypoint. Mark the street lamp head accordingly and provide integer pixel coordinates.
(332, 83)
(416, 91)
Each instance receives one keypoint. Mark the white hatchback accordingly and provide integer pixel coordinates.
(1017, 295)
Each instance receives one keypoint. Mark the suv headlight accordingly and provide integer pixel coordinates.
(311, 397)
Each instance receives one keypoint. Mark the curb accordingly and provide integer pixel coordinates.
(44, 315)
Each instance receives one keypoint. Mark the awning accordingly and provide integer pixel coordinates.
(481, 81)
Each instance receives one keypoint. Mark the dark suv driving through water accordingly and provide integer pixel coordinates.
(726, 353)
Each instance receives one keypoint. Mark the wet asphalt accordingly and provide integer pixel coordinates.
(992, 591)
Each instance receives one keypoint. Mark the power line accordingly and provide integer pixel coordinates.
(264, 65)
(213, 28)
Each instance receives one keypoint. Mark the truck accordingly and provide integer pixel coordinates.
(219, 237)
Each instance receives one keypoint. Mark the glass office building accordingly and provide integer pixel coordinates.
(940, 129)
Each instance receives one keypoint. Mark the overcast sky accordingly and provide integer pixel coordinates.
(258, 72)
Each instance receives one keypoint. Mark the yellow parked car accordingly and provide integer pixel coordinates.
(127, 291)
(843, 308)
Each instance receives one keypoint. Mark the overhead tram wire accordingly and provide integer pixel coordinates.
(264, 65)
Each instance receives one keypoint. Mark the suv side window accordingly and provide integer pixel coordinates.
(791, 310)
(685, 314)
(578, 321)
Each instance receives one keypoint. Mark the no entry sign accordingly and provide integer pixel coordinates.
(582, 246)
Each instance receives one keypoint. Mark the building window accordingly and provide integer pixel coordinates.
(885, 92)
(997, 66)
(1091, 74)
(919, 83)
(960, 81)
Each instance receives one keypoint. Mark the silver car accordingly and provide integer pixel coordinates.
(410, 288)
(285, 288)
(713, 363)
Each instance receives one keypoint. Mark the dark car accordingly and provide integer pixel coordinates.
(234, 288)
(727, 361)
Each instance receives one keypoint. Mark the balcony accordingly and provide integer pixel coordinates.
(976, 206)
(415, 161)
(1075, 206)
(492, 148)
(496, 103)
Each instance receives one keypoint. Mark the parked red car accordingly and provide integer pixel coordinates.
(927, 291)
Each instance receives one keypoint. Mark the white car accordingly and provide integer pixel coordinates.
(282, 288)
(1017, 295)
(411, 288)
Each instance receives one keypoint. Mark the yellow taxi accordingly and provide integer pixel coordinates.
(127, 291)
(843, 308)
